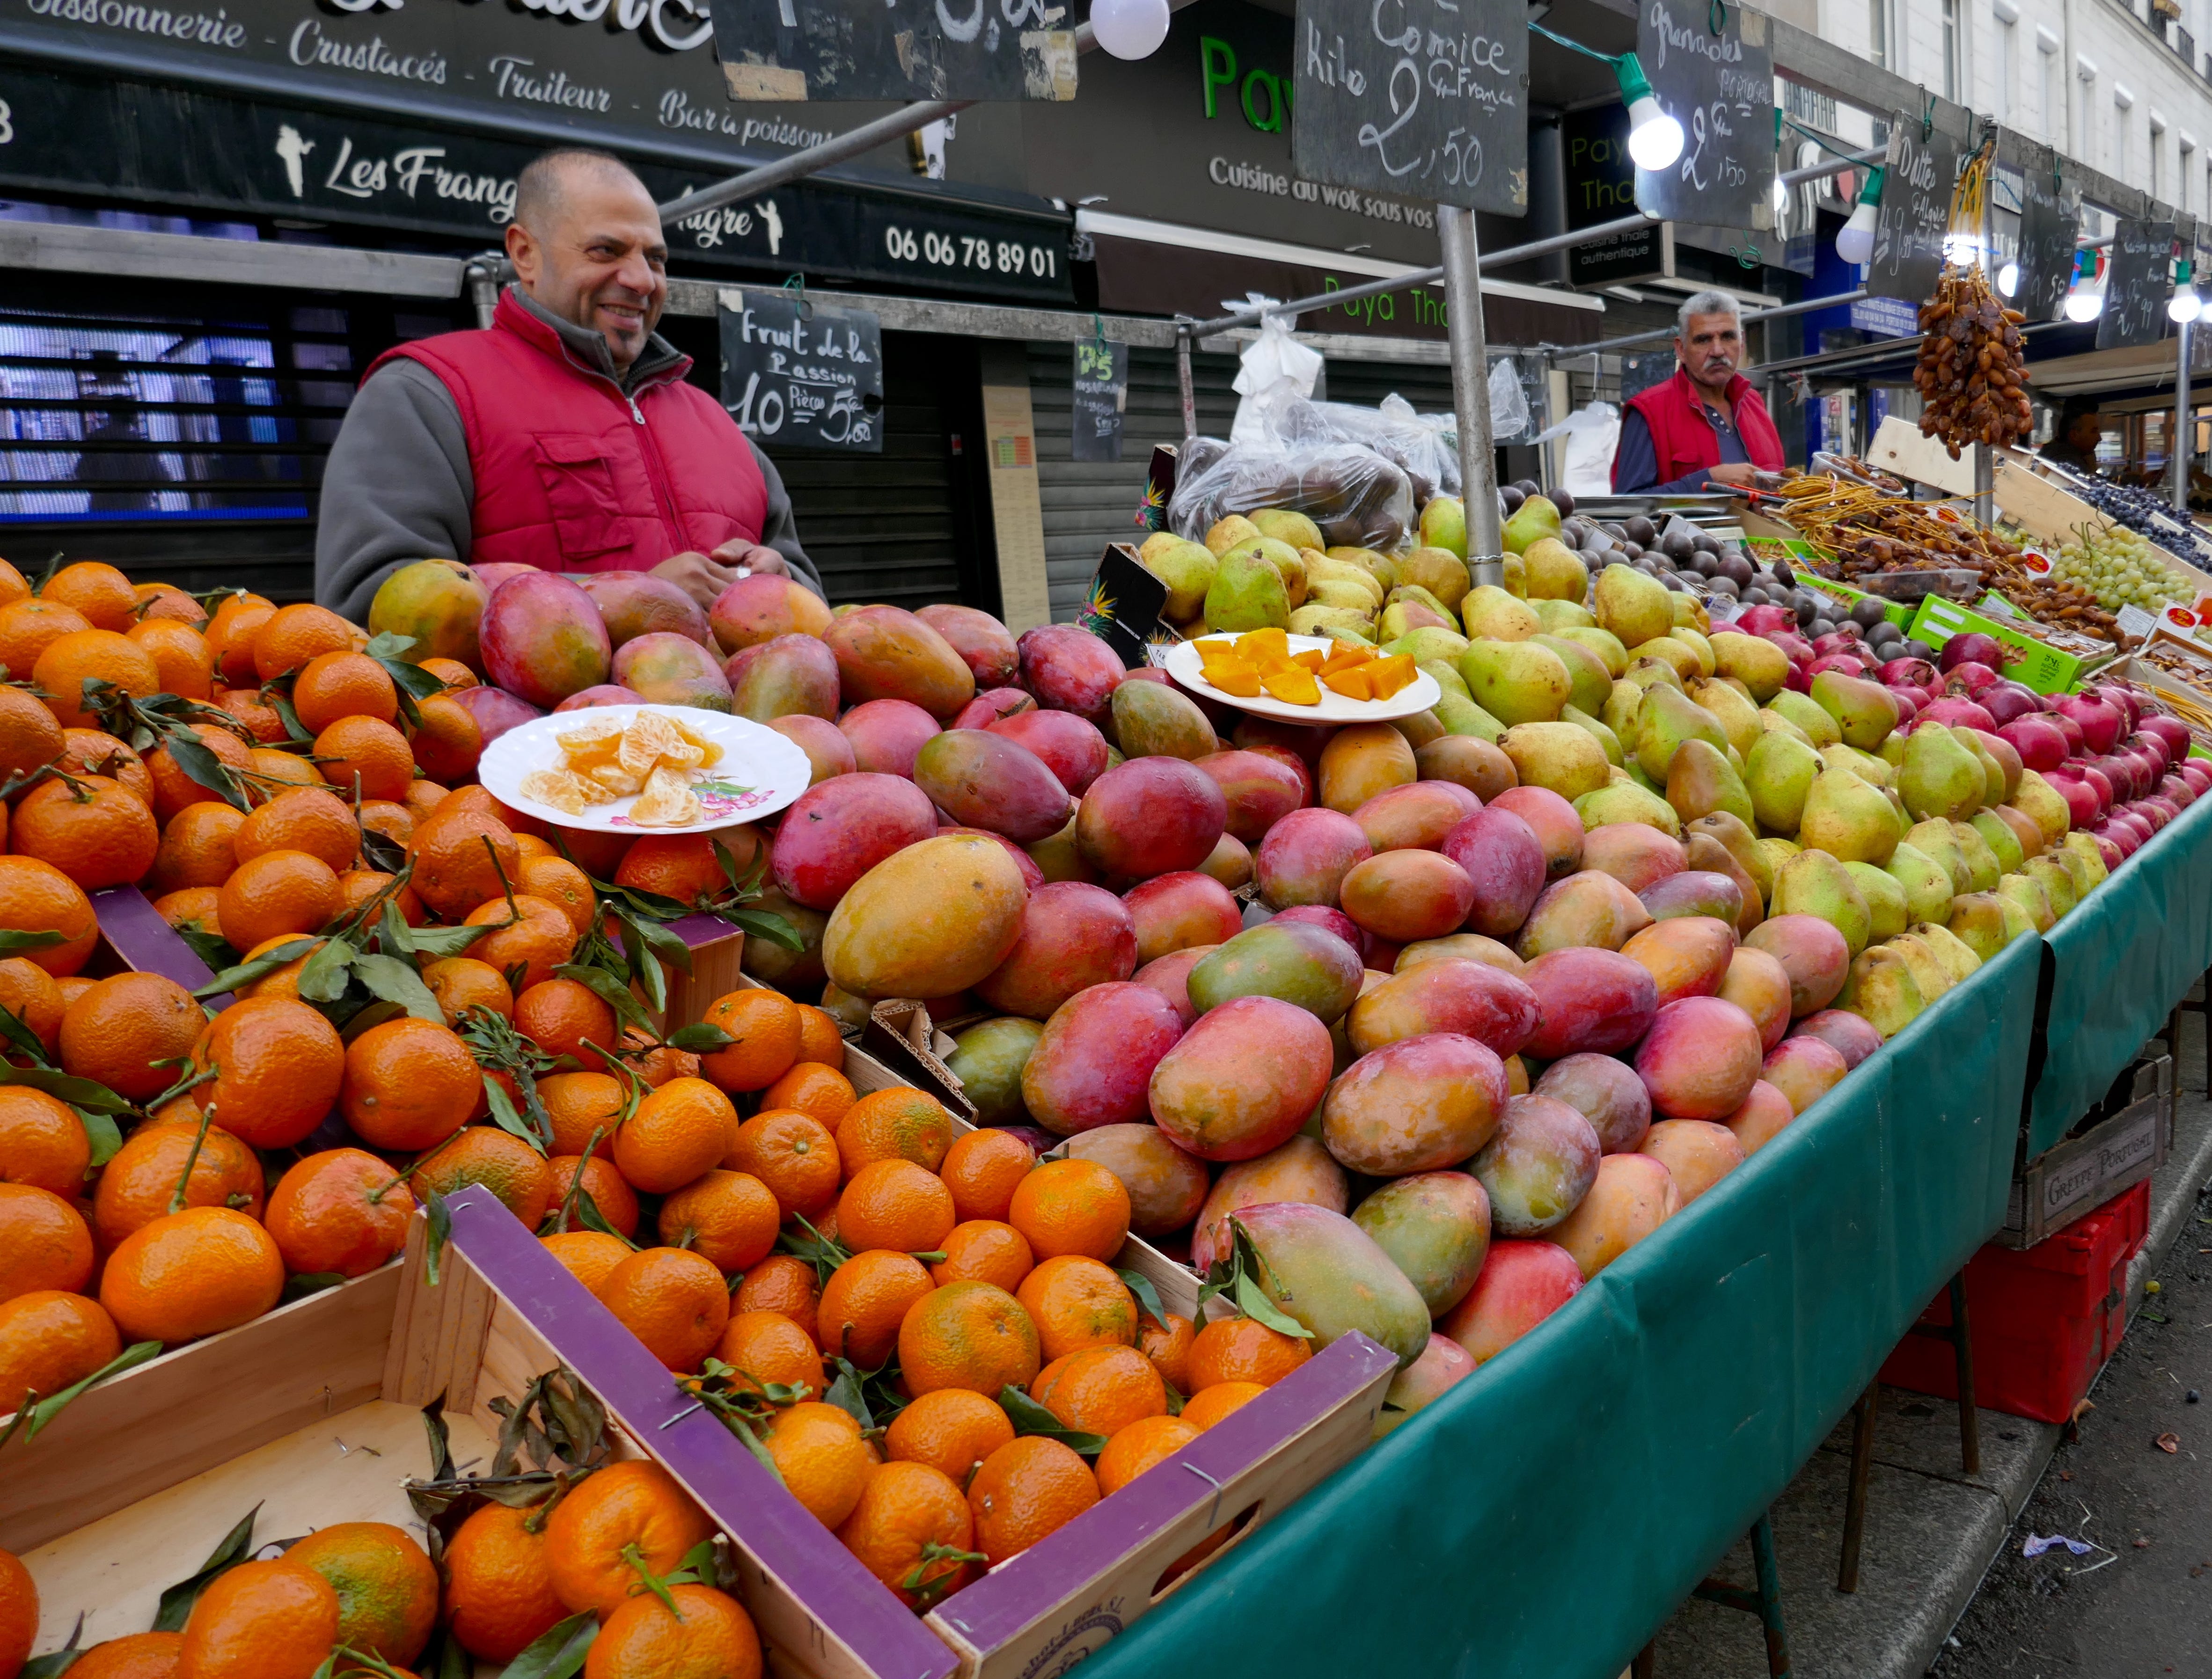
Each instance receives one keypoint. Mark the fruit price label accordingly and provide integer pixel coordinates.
(1719, 85)
(1427, 98)
(2138, 277)
(1101, 393)
(1916, 211)
(792, 50)
(798, 374)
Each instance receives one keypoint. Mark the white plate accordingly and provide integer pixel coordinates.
(772, 768)
(1423, 693)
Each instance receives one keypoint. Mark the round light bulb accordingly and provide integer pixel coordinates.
(1781, 196)
(2184, 306)
(1654, 139)
(2084, 304)
(1854, 241)
(1129, 28)
(2009, 278)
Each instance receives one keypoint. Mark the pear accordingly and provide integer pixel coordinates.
(1880, 989)
(1849, 819)
(1557, 755)
(1863, 712)
(1977, 920)
(1742, 845)
(1404, 617)
(2092, 859)
(1537, 517)
(1884, 900)
(1808, 714)
(2076, 865)
(2056, 882)
(1812, 883)
(1939, 778)
(1515, 577)
(1654, 673)
(1383, 568)
(1864, 765)
(1447, 676)
(1603, 736)
(1423, 644)
(1317, 619)
(1677, 655)
(1339, 591)
(1956, 954)
(1604, 643)
(1320, 569)
(1247, 593)
(1668, 719)
(1779, 773)
(2028, 895)
(1462, 716)
(1441, 571)
(1634, 771)
(1285, 558)
(1411, 594)
(1929, 971)
(1623, 705)
(1593, 683)
(1700, 780)
(1286, 526)
(1776, 852)
(1738, 717)
(1762, 667)
(1234, 531)
(1994, 790)
(1444, 524)
(1689, 611)
(2004, 845)
(1982, 872)
(1925, 882)
(1694, 640)
(1632, 605)
(1935, 838)
(1559, 616)
(2043, 805)
(1554, 571)
(1516, 681)
(1625, 802)
(1706, 855)
(1773, 723)
(1894, 746)
(2023, 828)
(1187, 568)
(1489, 611)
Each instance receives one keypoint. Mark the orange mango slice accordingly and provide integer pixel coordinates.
(1312, 659)
(1351, 682)
(1345, 655)
(1252, 643)
(1293, 685)
(1386, 677)
(1239, 679)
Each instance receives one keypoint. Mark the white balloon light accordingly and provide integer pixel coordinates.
(1654, 139)
(1129, 28)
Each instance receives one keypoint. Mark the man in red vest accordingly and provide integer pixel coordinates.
(562, 437)
(1705, 428)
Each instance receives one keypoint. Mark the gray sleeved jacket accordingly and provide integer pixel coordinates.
(398, 488)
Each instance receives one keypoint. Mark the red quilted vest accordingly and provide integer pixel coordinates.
(571, 475)
(1683, 439)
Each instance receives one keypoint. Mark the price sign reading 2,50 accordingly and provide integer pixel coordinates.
(988, 256)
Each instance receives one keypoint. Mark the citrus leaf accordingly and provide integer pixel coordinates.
(392, 930)
(212, 948)
(386, 643)
(504, 1116)
(701, 1038)
(192, 756)
(559, 1653)
(353, 1021)
(1252, 1301)
(101, 1132)
(669, 947)
(1148, 1298)
(394, 979)
(323, 976)
(281, 703)
(301, 1284)
(56, 1662)
(765, 923)
(14, 942)
(244, 973)
(442, 1228)
(611, 991)
(177, 1602)
(440, 942)
(78, 1093)
(20, 1035)
(43, 1411)
(1029, 1417)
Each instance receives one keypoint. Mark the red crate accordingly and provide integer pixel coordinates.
(2044, 1318)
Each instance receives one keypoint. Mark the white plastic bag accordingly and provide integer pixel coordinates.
(1509, 404)
(1593, 432)
(1272, 356)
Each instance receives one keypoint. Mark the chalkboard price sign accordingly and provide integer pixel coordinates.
(1721, 88)
(1101, 391)
(2049, 215)
(1641, 369)
(1427, 98)
(1921, 168)
(792, 50)
(800, 375)
(2138, 278)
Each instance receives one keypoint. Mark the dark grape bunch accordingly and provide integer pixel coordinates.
(2147, 515)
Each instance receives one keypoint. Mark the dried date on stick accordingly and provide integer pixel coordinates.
(1972, 370)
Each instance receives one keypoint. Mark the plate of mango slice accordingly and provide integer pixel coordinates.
(1303, 678)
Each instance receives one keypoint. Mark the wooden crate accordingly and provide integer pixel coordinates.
(717, 950)
(2084, 1172)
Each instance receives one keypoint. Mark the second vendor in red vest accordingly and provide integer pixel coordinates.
(564, 436)
(1705, 428)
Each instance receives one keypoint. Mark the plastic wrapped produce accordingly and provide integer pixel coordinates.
(1358, 498)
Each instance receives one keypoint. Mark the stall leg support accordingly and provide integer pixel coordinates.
(1855, 1498)
(2201, 1007)
(1763, 1600)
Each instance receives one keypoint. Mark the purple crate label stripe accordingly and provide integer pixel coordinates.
(1007, 1599)
(736, 1489)
(701, 929)
(148, 944)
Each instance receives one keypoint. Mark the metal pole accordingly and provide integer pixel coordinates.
(480, 278)
(1183, 383)
(1478, 460)
(1749, 315)
(2185, 426)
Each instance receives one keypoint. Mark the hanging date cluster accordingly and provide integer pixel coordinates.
(1972, 373)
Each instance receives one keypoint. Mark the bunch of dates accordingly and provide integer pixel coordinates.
(1973, 373)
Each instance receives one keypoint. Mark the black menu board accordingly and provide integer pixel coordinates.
(1720, 87)
(1425, 98)
(793, 50)
(1101, 391)
(802, 375)
(2138, 280)
(2049, 214)
(1916, 211)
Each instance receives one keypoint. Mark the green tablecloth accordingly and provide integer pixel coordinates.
(1542, 1520)
(2118, 964)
